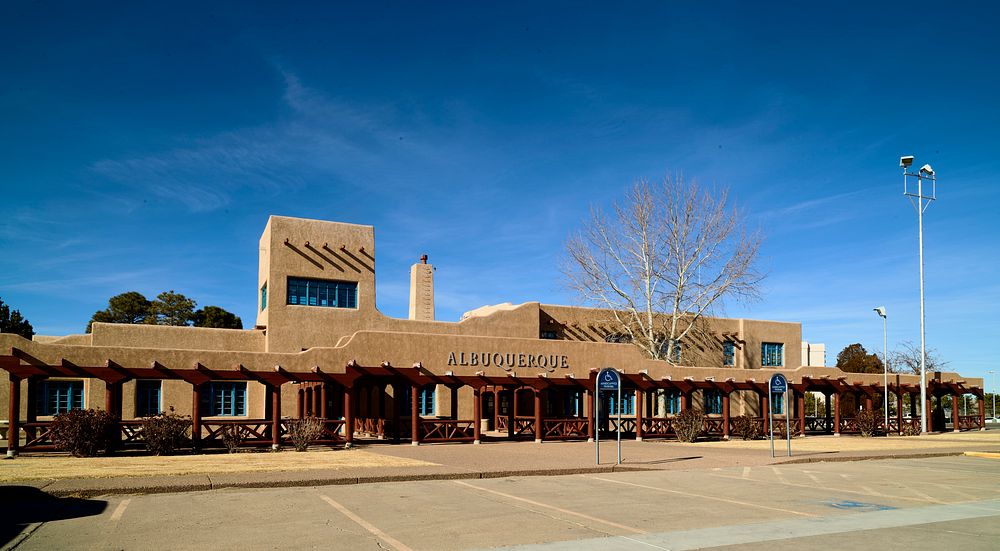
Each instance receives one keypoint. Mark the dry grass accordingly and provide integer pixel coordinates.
(58, 467)
(972, 439)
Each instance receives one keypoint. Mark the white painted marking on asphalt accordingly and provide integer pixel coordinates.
(825, 488)
(746, 472)
(812, 477)
(787, 530)
(120, 510)
(923, 495)
(777, 473)
(553, 507)
(954, 489)
(366, 525)
(713, 498)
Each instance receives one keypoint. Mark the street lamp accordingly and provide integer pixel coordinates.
(920, 202)
(885, 365)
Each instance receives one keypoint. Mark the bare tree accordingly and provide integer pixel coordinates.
(906, 359)
(664, 259)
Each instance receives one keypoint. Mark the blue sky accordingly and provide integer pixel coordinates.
(142, 147)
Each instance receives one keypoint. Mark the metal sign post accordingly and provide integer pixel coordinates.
(607, 379)
(778, 384)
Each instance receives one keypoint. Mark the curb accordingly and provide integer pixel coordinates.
(140, 489)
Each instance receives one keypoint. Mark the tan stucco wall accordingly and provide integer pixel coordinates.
(169, 337)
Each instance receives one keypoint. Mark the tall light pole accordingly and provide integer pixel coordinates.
(885, 365)
(920, 202)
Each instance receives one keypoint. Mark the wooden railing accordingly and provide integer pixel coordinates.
(969, 422)
(372, 426)
(522, 425)
(250, 432)
(572, 427)
(713, 426)
(446, 430)
(627, 424)
(657, 427)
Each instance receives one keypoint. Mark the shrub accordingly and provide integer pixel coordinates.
(910, 429)
(165, 433)
(867, 420)
(304, 431)
(747, 427)
(83, 432)
(689, 424)
(232, 437)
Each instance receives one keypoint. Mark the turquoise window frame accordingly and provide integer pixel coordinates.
(772, 354)
(728, 353)
(713, 402)
(55, 397)
(778, 404)
(224, 399)
(425, 400)
(322, 293)
(627, 402)
(263, 297)
(148, 398)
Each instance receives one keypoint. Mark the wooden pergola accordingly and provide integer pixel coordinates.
(355, 399)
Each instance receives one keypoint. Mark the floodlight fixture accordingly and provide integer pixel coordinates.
(926, 169)
(906, 161)
(880, 311)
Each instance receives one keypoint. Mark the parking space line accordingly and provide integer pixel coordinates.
(811, 476)
(553, 507)
(777, 474)
(712, 498)
(811, 487)
(120, 510)
(746, 472)
(366, 525)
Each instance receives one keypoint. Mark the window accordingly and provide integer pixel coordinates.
(56, 397)
(147, 398)
(728, 353)
(548, 334)
(317, 292)
(771, 354)
(425, 400)
(627, 404)
(224, 399)
(263, 297)
(666, 402)
(777, 404)
(713, 401)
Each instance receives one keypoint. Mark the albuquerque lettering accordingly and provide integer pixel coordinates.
(508, 361)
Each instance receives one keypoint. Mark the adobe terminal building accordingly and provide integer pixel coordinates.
(320, 348)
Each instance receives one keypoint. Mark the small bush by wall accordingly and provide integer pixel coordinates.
(689, 424)
(232, 437)
(867, 420)
(747, 427)
(82, 432)
(304, 432)
(166, 433)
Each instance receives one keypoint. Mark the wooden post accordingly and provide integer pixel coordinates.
(276, 417)
(955, 413)
(829, 419)
(477, 414)
(685, 401)
(350, 395)
(868, 401)
(511, 418)
(638, 414)
(725, 415)
(32, 411)
(110, 401)
(196, 416)
(589, 397)
(322, 400)
(930, 412)
(414, 415)
(14, 414)
(836, 416)
(454, 403)
(302, 402)
(397, 407)
(538, 416)
(800, 404)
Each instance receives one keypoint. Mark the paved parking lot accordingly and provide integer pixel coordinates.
(908, 503)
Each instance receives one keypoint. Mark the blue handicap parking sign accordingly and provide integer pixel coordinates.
(778, 383)
(608, 379)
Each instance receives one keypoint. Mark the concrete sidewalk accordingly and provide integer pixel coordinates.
(502, 458)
